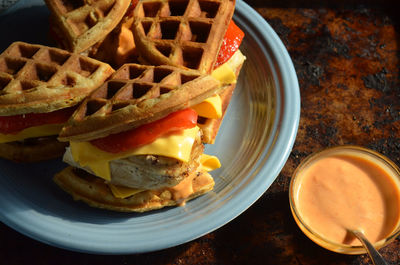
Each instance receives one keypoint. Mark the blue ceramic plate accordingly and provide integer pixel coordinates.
(253, 145)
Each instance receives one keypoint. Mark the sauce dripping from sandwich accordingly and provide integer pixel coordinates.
(187, 187)
(183, 190)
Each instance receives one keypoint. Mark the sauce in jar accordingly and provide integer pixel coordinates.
(348, 190)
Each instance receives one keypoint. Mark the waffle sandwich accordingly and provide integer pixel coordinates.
(78, 25)
(193, 34)
(39, 87)
(113, 164)
(134, 142)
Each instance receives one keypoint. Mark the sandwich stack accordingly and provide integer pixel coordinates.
(137, 133)
(39, 85)
(136, 142)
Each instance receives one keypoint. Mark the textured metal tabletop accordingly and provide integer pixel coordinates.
(347, 59)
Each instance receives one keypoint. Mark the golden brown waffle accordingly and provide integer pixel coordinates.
(185, 33)
(136, 95)
(37, 78)
(83, 23)
(33, 150)
(93, 191)
(118, 47)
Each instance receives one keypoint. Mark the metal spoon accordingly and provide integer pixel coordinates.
(376, 258)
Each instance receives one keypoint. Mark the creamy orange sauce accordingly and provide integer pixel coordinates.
(183, 190)
(346, 191)
(187, 187)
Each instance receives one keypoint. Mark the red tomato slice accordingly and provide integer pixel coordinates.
(233, 37)
(134, 3)
(129, 12)
(147, 133)
(16, 123)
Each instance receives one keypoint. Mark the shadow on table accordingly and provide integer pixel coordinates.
(27, 24)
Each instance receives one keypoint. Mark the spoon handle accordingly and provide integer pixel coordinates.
(376, 258)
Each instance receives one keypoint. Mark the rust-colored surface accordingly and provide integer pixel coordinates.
(347, 61)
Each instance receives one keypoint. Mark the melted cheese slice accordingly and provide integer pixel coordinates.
(177, 145)
(208, 163)
(123, 192)
(210, 108)
(226, 74)
(32, 132)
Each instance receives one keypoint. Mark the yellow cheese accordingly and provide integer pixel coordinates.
(210, 108)
(32, 132)
(236, 60)
(224, 74)
(123, 192)
(208, 163)
(178, 146)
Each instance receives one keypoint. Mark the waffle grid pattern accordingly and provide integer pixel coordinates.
(132, 84)
(31, 73)
(80, 16)
(86, 21)
(184, 33)
(135, 95)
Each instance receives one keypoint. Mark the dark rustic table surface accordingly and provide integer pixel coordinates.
(346, 57)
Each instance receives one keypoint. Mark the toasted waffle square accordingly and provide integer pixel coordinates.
(118, 47)
(37, 78)
(136, 95)
(85, 22)
(184, 33)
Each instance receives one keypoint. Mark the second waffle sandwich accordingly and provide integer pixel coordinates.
(39, 87)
